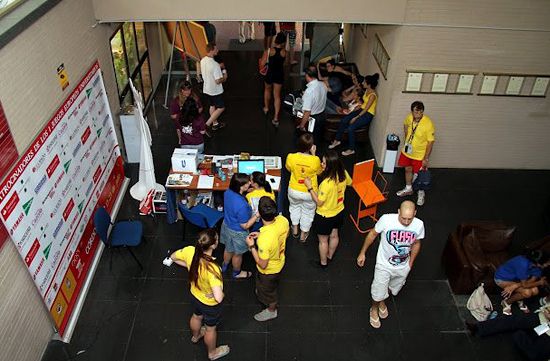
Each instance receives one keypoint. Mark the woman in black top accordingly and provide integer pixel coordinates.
(275, 76)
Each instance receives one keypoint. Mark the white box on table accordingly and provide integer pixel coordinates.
(184, 160)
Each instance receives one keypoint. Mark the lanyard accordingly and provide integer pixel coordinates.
(413, 131)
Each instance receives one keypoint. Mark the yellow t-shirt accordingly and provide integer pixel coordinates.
(301, 166)
(332, 194)
(254, 196)
(271, 245)
(425, 132)
(372, 108)
(206, 279)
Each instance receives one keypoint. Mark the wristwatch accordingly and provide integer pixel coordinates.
(250, 248)
(309, 189)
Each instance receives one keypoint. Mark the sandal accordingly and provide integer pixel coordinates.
(237, 273)
(383, 313)
(202, 331)
(506, 308)
(275, 122)
(304, 240)
(374, 322)
(219, 352)
(523, 307)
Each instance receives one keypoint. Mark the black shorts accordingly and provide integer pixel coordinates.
(216, 101)
(269, 29)
(325, 225)
(266, 287)
(211, 315)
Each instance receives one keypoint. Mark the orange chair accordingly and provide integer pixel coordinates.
(367, 190)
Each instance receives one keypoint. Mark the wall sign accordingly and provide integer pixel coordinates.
(48, 199)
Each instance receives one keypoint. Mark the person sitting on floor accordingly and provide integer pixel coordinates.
(519, 279)
(534, 347)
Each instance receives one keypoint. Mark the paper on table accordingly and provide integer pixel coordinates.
(274, 181)
(205, 182)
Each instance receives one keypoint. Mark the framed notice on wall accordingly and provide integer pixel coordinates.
(47, 200)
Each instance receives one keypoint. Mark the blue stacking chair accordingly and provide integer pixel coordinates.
(123, 234)
(200, 215)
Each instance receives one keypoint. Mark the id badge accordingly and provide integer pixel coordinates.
(540, 329)
(408, 148)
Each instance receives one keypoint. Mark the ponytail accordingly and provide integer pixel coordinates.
(259, 178)
(201, 261)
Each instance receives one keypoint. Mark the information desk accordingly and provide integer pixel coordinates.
(215, 184)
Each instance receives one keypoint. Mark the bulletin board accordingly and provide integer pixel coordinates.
(48, 198)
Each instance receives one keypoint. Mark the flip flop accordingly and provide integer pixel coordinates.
(383, 313)
(221, 351)
(202, 331)
(374, 322)
(236, 273)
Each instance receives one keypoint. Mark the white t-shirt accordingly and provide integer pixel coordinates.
(315, 97)
(211, 70)
(396, 240)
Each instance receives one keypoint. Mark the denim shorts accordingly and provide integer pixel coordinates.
(234, 241)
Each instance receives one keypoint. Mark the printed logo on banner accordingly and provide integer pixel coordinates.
(65, 190)
(40, 184)
(67, 165)
(86, 135)
(27, 206)
(80, 206)
(88, 92)
(55, 209)
(10, 206)
(39, 162)
(97, 174)
(16, 223)
(68, 208)
(77, 149)
(47, 251)
(37, 216)
(32, 252)
(99, 133)
(52, 166)
(57, 228)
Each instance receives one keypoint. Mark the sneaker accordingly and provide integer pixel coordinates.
(404, 192)
(334, 144)
(347, 152)
(265, 315)
(218, 126)
(506, 308)
(421, 198)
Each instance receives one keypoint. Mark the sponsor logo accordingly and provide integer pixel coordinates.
(55, 257)
(105, 119)
(37, 271)
(85, 156)
(68, 208)
(86, 175)
(62, 129)
(16, 224)
(98, 134)
(51, 144)
(67, 165)
(39, 162)
(84, 137)
(10, 206)
(96, 81)
(89, 189)
(39, 213)
(80, 206)
(76, 149)
(52, 166)
(90, 242)
(40, 184)
(76, 171)
(88, 92)
(57, 228)
(58, 180)
(27, 206)
(56, 208)
(24, 238)
(51, 193)
(81, 103)
(47, 250)
(97, 174)
(65, 190)
(32, 252)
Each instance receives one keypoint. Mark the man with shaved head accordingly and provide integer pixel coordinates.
(399, 246)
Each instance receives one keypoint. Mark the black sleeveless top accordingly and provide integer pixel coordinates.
(275, 70)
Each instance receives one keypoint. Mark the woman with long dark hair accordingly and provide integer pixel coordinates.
(238, 218)
(330, 204)
(359, 118)
(259, 187)
(274, 79)
(205, 280)
(192, 126)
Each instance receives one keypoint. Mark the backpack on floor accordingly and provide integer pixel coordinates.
(479, 304)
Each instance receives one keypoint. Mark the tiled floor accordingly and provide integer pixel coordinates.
(131, 315)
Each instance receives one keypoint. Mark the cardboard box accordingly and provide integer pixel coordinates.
(184, 160)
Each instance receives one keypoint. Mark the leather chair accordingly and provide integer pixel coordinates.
(473, 252)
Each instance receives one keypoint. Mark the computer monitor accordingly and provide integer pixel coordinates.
(250, 166)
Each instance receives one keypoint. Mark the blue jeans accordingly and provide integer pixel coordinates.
(363, 121)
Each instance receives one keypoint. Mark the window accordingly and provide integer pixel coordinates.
(130, 56)
(8, 5)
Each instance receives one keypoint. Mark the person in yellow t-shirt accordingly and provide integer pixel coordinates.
(359, 118)
(301, 165)
(205, 279)
(330, 204)
(269, 257)
(419, 140)
(259, 187)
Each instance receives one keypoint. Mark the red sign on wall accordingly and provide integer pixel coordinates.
(8, 159)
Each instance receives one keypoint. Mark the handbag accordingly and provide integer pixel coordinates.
(479, 304)
(423, 180)
(263, 63)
